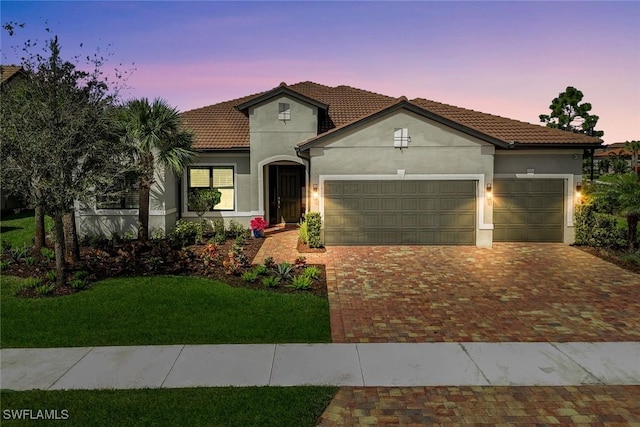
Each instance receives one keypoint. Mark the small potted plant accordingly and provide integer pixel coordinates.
(258, 224)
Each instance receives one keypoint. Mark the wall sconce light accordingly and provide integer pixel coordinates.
(579, 191)
(315, 191)
(489, 188)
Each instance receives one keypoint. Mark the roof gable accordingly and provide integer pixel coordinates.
(8, 72)
(279, 91)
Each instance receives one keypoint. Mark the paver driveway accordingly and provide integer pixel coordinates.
(511, 292)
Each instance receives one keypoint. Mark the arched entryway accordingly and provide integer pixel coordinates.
(284, 189)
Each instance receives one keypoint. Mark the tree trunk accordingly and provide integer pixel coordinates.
(72, 248)
(143, 212)
(632, 234)
(59, 250)
(40, 234)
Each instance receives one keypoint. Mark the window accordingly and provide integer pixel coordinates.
(284, 111)
(220, 177)
(123, 194)
(401, 138)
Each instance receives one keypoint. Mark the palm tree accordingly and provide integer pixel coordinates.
(634, 148)
(624, 190)
(603, 166)
(157, 139)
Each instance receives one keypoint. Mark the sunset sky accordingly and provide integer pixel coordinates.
(505, 58)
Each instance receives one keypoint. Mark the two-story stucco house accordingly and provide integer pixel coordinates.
(380, 170)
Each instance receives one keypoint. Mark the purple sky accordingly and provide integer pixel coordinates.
(505, 58)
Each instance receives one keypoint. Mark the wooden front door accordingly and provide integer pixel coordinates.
(290, 194)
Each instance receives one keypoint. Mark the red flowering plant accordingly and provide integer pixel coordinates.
(258, 223)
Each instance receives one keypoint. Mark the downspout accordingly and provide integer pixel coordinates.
(308, 159)
(179, 185)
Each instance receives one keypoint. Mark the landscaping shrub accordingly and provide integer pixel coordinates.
(236, 229)
(303, 233)
(311, 272)
(250, 276)
(598, 229)
(185, 233)
(271, 282)
(284, 270)
(300, 282)
(314, 224)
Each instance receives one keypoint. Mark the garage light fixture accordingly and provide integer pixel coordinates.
(315, 191)
(489, 190)
(579, 191)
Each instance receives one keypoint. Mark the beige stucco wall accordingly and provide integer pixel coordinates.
(274, 140)
(435, 152)
(162, 212)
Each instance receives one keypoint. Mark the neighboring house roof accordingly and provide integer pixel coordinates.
(617, 149)
(8, 72)
(226, 126)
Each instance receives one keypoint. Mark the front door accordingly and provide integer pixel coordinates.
(289, 192)
(285, 193)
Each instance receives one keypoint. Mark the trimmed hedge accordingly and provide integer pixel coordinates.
(598, 229)
(314, 223)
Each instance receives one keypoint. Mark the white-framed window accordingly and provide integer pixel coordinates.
(401, 138)
(123, 194)
(284, 111)
(220, 177)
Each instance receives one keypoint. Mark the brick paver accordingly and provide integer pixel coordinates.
(511, 292)
(522, 406)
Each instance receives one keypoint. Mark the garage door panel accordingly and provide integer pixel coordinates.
(401, 212)
(428, 205)
(409, 187)
(370, 187)
(409, 204)
(528, 210)
(389, 204)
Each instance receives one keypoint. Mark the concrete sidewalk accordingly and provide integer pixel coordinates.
(369, 365)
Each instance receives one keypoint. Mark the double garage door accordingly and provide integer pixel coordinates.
(400, 212)
(439, 212)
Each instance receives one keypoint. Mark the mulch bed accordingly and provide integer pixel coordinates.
(614, 256)
(157, 258)
(303, 248)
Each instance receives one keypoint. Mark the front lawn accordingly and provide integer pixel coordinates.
(19, 229)
(228, 406)
(160, 310)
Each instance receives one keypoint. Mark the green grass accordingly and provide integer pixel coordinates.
(19, 229)
(251, 406)
(160, 310)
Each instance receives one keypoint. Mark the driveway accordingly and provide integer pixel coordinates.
(511, 292)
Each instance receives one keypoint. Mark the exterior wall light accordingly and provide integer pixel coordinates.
(579, 192)
(489, 190)
(315, 191)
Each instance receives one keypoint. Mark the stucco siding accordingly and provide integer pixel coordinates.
(540, 161)
(434, 152)
(277, 139)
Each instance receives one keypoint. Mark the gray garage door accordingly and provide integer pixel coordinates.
(528, 210)
(400, 212)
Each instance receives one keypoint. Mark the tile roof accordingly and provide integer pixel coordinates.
(223, 126)
(8, 71)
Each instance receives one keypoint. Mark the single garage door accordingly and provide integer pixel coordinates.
(528, 210)
(400, 212)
